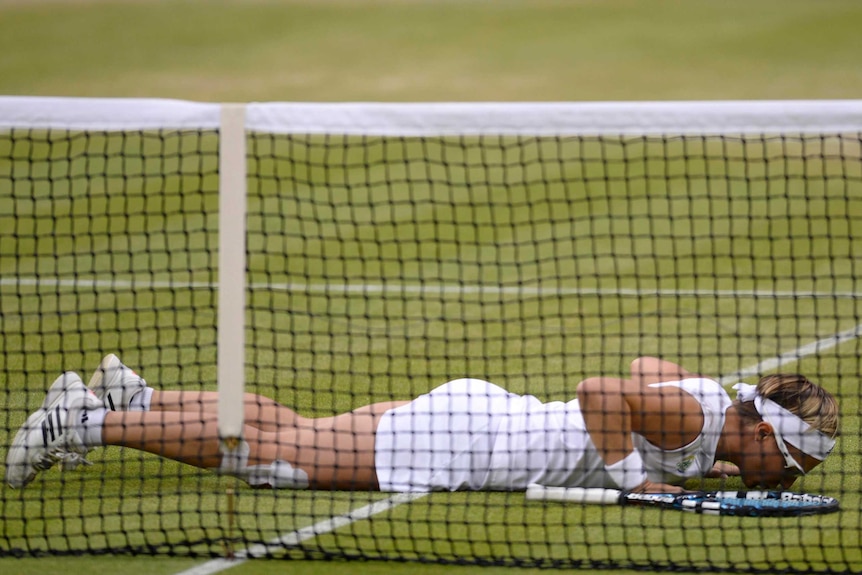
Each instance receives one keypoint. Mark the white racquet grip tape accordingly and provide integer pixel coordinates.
(586, 495)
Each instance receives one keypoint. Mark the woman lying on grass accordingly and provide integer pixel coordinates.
(647, 433)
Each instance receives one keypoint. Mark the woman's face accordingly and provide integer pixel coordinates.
(765, 466)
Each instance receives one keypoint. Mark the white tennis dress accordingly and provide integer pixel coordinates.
(470, 434)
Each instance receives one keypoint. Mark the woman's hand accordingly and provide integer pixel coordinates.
(722, 470)
(650, 487)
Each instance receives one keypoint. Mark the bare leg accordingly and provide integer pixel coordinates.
(336, 452)
(260, 411)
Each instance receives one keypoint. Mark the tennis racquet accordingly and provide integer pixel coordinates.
(740, 503)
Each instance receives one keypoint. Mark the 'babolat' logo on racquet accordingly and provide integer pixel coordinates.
(650, 497)
(806, 497)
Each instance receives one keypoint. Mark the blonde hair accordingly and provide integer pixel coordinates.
(797, 394)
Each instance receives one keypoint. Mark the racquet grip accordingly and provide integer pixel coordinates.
(585, 495)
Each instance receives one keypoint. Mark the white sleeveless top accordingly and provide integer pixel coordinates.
(470, 434)
(697, 458)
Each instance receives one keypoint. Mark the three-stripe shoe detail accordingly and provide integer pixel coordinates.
(52, 427)
(52, 434)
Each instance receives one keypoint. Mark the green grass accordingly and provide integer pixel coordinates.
(605, 227)
(394, 50)
(642, 231)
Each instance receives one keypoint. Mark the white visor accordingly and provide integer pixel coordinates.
(787, 426)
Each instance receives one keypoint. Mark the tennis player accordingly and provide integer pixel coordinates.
(647, 433)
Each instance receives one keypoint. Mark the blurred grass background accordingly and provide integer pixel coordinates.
(436, 50)
(420, 50)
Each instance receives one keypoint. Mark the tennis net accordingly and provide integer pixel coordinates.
(370, 252)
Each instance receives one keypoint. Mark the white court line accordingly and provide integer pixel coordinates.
(300, 535)
(432, 289)
(295, 537)
(795, 355)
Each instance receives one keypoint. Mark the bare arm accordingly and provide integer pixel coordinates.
(613, 408)
(654, 370)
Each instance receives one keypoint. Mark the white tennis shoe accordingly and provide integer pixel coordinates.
(116, 384)
(51, 434)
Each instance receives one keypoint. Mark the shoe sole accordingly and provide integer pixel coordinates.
(52, 403)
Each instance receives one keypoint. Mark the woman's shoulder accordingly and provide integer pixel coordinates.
(704, 389)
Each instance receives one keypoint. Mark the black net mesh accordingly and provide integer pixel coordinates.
(382, 267)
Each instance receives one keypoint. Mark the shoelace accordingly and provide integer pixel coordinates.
(69, 459)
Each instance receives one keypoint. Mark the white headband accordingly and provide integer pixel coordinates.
(787, 426)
